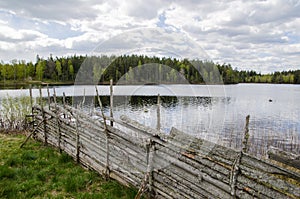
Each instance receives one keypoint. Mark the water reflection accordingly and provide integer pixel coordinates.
(211, 116)
(218, 119)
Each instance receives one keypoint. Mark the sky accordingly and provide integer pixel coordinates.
(261, 35)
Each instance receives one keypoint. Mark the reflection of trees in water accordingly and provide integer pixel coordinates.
(68, 100)
(206, 102)
(141, 101)
(198, 101)
(172, 101)
(166, 101)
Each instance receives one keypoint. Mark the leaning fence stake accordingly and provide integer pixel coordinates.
(235, 169)
(49, 101)
(77, 139)
(57, 120)
(150, 165)
(31, 109)
(106, 133)
(111, 102)
(33, 132)
(31, 102)
(246, 135)
(158, 113)
(148, 176)
(64, 103)
(43, 115)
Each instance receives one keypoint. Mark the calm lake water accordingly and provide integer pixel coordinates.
(214, 112)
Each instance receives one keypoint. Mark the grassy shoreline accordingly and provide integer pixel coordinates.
(36, 171)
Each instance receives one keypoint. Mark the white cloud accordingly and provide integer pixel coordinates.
(263, 35)
(142, 9)
(6, 46)
(9, 34)
(55, 10)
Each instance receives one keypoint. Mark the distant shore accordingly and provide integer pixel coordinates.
(35, 83)
(26, 84)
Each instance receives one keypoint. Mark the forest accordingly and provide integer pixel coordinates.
(103, 68)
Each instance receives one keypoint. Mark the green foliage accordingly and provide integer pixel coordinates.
(40, 68)
(297, 77)
(7, 173)
(65, 158)
(58, 69)
(36, 171)
(71, 70)
(103, 68)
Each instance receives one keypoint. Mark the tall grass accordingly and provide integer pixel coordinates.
(13, 111)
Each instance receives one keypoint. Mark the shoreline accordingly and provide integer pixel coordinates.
(27, 84)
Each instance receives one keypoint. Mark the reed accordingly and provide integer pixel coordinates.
(13, 112)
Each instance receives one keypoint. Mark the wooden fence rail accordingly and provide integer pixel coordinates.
(166, 166)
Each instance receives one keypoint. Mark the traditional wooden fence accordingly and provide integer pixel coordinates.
(165, 166)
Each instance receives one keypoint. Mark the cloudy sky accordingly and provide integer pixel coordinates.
(263, 35)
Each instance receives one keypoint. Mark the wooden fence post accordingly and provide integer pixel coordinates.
(64, 103)
(234, 174)
(236, 164)
(148, 179)
(106, 134)
(83, 100)
(150, 166)
(158, 113)
(246, 135)
(31, 102)
(31, 111)
(57, 120)
(111, 102)
(43, 115)
(49, 101)
(77, 139)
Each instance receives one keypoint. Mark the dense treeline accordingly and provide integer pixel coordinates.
(58, 69)
(65, 69)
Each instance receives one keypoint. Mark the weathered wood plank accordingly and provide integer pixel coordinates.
(197, 187)
(205, 164)
(284, 157)
(268, 167)
(223, 187)
(147, 131)
(169, 186)
(202, 147)
(273, 186)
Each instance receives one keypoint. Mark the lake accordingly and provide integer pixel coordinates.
(213, 112)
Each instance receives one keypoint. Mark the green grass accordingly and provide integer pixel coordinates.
(36, 171)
